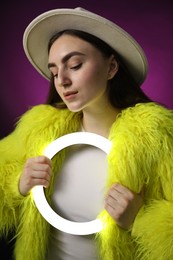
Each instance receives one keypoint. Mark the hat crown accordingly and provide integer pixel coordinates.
(43, 27)
(81, 9)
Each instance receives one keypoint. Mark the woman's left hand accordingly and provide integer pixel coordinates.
(123, 205)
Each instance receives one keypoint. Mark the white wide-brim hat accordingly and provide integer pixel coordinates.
(44, 26)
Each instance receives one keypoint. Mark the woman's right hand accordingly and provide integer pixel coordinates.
(37, 171)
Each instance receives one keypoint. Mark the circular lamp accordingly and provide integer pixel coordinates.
(71, 227)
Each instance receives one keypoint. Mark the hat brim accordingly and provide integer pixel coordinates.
(43, 27)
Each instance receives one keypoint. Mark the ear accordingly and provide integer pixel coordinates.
(113, 67)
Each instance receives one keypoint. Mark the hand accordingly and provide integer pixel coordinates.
(123, 205)
(37, 171)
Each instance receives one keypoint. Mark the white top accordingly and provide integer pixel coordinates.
(78, 196)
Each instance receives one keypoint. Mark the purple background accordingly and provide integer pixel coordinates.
(149, 22)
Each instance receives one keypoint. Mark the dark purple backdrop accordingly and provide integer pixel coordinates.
(149, 22)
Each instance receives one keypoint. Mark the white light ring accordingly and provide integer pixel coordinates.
(71, 227)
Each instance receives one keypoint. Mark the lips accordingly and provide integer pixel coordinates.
(70, 94)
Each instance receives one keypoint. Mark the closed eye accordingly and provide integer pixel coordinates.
(76, 67)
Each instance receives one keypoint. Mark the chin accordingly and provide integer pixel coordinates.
(74, 106)
(74, 109)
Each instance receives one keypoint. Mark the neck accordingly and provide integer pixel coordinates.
(99, 121)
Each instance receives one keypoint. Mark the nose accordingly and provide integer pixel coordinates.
(63, 79)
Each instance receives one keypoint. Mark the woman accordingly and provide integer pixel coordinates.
(95, 70)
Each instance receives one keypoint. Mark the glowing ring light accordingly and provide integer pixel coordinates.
(75, 228)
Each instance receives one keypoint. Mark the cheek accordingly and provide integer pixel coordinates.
(59, 91)
(99, 71)
(96, 75)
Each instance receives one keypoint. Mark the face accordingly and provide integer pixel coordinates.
(80, 72)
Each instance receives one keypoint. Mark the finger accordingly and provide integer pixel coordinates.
(110, 201)
(113, 191)
(44, 160)
(118, 194)
(39, 181)
(39, 160)
(40, 175)
(41, 169)
(38, 164)
(114, 212)
(109, 209)
(124, 193)
(121, 189)
(117, 199)
(125, 190)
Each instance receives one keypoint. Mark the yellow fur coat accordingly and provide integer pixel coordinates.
(141, 156)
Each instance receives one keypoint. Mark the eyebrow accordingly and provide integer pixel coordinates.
(66, 58)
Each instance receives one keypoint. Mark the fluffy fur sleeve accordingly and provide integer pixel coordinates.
(153, 227)
(36, 128)
(11, 163)
(142, 156)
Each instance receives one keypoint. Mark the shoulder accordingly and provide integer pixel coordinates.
(43, 116)
(142, 134)
(144, 120)
(42, 112)
(40, 125)
(41, 120)
(47, 120)
(146, 115)
(149, 111)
